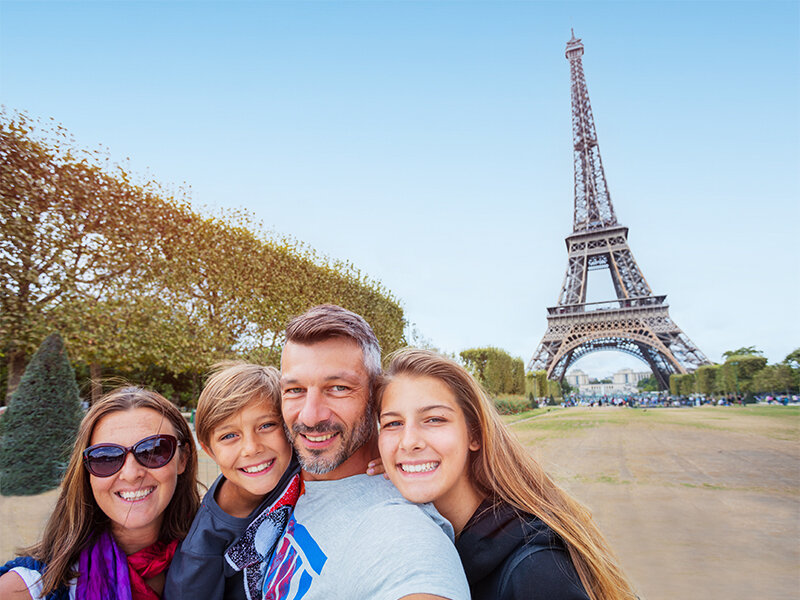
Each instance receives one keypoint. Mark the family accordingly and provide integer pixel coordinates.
(299, 511)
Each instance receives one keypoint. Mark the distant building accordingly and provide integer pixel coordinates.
(630, 377)
(576, 378)
(623, 382)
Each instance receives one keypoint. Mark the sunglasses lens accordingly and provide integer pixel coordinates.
(154, 452)
(105, 460)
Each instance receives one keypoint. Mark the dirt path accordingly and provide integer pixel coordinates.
(698, 504)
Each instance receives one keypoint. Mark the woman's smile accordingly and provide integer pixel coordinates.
(418, 468)
(424, 441)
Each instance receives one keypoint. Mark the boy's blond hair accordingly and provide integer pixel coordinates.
(232, 386)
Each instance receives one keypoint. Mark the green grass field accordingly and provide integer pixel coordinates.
(780, 422)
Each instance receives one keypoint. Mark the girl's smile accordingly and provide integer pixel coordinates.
(425, 444)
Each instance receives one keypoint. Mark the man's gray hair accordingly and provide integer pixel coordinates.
(328, 321)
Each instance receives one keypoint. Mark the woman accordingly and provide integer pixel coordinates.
(128, 497)
(519, 535)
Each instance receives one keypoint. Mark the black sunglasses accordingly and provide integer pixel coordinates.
(153, 452)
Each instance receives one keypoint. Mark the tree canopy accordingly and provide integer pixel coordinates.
(134, 276)
(648, 384)
(497, 371)
(743, 351)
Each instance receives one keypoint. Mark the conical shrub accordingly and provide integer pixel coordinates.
(40, 424)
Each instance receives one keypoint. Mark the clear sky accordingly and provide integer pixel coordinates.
(429, 143)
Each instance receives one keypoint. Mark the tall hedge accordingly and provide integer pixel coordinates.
(137, 280)
(40, 424)
(496, 370)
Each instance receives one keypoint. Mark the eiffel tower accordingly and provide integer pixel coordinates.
(637, 322)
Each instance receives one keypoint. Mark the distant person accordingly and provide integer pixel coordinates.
(519, 535)
(239, 425)
(351, 536)
(128, 497)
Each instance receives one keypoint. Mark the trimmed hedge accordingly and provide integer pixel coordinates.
(40, 424)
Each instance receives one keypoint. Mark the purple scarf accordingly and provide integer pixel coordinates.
(103, 571)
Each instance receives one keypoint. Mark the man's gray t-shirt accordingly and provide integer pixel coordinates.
(358, 538)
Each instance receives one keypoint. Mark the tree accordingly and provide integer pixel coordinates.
(681, 384)
(70, 231)
(134, 277)
(706, 379)
(495, 369)
(41, 422)
(687, 384)
(793, 359)
(648, 384)
(743, 351)
(536, 384)
(738, 372)
(779, 378)
(553, 390)
(517, 376)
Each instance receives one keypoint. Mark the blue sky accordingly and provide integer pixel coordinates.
(429, 143)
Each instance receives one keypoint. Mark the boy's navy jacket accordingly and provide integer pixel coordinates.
(199, 568)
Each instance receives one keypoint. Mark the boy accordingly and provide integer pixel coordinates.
(239, 425)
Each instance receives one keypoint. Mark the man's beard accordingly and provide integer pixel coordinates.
(352, 440)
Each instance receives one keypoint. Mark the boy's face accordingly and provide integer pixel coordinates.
(251, 449)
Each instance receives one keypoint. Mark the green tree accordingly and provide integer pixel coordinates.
(648, 384)
(681, 384)
(738, 372)
(134, 277)
(780, 378)
(495, 369)
(517, 376)
(553, 390)
(70, 232)
(706, 379)
(40, 424)
(793, 359)
(687, 384)
(536, 384)
(743, 351)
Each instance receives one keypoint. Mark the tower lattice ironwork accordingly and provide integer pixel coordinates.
(637, 322)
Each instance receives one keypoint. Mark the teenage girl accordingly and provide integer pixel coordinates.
(518, 533)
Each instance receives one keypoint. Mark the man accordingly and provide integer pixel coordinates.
(351, 536)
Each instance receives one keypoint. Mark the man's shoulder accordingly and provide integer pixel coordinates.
(356, 489)
(388, 510)
(367, 503)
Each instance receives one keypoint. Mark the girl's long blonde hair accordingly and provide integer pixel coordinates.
(76, 517)
(504, 471)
